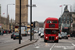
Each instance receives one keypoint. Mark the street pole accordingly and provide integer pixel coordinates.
(7, 10)
(33, 30)
(20, 25)
(30, 20)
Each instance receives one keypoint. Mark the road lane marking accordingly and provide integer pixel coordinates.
(64, 47)
(37, 47)
(52, 46)
(73, 44)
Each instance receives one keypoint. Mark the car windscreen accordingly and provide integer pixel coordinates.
(64, 34)
(16, 33)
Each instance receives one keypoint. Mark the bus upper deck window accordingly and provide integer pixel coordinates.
(54, 21)
(49, 21)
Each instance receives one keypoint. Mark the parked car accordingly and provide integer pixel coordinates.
(12, 35)
(16, 36)
(64, 35)
(24, 34)
(35, 31)
(68, 35)
(39, 33)
(42, 34)
(28, 32)
(60, 36)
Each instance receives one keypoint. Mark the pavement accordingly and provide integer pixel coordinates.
(64, 44)
(6, 43)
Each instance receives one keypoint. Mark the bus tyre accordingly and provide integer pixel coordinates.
(45, 40)
(14, 38)
(66, 37)
(56, 41)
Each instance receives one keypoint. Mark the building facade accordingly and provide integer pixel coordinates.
(41, 24)
(0, 9)
(24, 12)
(4, 22)
(66, 19)
(0, 13)
(73, 23)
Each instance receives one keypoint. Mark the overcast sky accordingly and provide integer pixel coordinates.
(44, 9)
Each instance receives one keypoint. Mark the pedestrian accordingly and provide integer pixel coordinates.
(2, 31)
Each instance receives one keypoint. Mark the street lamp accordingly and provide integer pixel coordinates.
(7, 11)
(7, 8)
(20, 24)
(31, 17)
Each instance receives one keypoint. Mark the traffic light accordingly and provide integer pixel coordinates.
(31, 24)
(34, 24)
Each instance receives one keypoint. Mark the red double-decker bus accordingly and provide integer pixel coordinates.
(51, 29)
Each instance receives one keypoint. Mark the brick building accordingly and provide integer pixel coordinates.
(4, 22)
(24, 12)
(66, 19)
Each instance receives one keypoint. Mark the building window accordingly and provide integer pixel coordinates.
(73, 25)
(49, 21)
(67, 22)
(71, 21)
(64, 22)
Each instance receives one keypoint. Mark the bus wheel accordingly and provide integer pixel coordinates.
(45, 40)
(56, 41)
(66, 37)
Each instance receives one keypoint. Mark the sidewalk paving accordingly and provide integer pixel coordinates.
(16, 45)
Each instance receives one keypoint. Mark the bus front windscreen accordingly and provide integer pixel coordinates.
(51, 31)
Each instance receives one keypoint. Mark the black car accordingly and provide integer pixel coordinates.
(16, 36)
(12, 35)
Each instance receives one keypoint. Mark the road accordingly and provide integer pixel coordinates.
(6, 40)
(64, 44)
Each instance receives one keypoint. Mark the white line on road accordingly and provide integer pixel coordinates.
(52, 46)
(37, 47)
(73, 44)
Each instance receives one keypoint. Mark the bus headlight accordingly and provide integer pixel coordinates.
(46, 37)
(56, 37)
